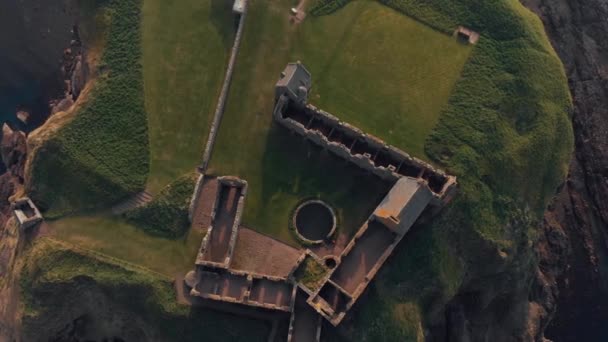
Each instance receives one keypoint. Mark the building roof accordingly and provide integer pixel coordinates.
(405, 201)
(294, 75)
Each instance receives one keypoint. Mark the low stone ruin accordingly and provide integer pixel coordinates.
(240, 287)
(331, 287)
(416, 185)
(218, 245)
(467, 35)
(26, 213)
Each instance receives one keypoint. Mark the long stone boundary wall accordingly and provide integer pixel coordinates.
(364, 150)
(221, 102)
(195, 195)
(226, 181)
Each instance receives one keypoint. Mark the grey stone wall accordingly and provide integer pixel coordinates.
(221, 102)
(365, 161)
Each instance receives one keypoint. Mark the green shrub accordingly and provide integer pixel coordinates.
(167, 214)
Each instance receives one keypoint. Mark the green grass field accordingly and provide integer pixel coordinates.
(119, 239)
(185, 49)
(395, 91)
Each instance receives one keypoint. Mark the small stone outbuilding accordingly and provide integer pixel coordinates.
(295, 83)
(26, 213)
(403, 204)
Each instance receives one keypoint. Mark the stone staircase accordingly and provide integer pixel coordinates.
(137, 200)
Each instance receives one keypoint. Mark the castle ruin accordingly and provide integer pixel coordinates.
(416, 187)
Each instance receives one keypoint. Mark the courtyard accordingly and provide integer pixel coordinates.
(394, 91)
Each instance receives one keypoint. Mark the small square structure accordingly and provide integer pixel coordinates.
(239, 6)
(26, 213)
(467, 35)
(403, 204)
(295, 82)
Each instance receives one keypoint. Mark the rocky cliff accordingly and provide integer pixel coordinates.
(572, 278)
(35, 36)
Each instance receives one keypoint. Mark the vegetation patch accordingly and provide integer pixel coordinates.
(101, 156)
(167, 214)
(311, 273)
(120, 239)
(292, 221)
(60, 284)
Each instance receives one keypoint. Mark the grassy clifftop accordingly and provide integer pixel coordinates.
(101, 155)
(67, 291)
(506, 134)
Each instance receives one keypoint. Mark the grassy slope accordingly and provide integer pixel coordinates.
(506, 134)
(100, 156)
(55, 276)
(353, 81)
(167, 214)
(185, 48)
(122, 240)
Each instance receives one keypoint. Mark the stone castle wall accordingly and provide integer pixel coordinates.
(364, 150)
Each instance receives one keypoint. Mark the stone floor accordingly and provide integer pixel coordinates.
(259, 253)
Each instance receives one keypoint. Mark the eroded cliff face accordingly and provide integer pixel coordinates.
(572, 277)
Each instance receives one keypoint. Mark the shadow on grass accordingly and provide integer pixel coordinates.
(221, 13)
(294, 167)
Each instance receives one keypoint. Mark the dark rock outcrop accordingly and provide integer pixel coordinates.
(13, 150)
(572, 281)
(34, 36)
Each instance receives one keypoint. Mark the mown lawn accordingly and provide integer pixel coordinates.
(185, 49)
(371, 66)
(119, 239)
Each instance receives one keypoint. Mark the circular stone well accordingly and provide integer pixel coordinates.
(314, 221)
(330, 261)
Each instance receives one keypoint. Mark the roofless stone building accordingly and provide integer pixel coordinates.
(337, 285)
(416, 185)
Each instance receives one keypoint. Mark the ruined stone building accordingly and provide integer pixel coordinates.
(340, 282)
